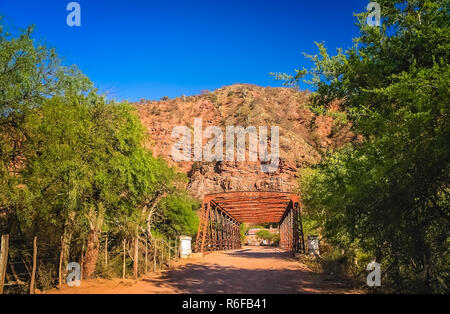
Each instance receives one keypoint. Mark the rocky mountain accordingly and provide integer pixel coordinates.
(303, 135)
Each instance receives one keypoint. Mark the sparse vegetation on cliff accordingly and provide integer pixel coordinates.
(245, 105)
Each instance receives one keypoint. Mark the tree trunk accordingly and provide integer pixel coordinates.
(66, 238)
(91, 255)
(93, 243)
(152, 210)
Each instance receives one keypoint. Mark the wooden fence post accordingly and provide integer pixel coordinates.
(3, 260)
(60, 265)
(106, 251)
(33, 272)
(154, 255)
(162, 255)
(124, 258)
(82, 260)
(176, 249)
(170, 248)
(136, 257)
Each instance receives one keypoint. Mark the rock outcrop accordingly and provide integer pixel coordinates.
(303, 137)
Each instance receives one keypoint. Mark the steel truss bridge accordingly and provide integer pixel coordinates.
(222, 214)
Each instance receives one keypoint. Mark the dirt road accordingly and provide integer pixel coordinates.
(252, 270)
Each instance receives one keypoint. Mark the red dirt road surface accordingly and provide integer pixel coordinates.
(251, 270)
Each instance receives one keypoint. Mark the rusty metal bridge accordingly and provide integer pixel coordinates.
(222, 214)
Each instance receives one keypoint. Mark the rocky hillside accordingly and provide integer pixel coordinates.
(303, 135)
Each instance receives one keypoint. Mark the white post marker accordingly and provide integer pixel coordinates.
(185, 246)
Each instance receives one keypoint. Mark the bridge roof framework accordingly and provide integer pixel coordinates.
(222, 213)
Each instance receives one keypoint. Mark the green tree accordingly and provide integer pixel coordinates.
(29, 74)
(265, 235)
(387, 196)
(73, 164)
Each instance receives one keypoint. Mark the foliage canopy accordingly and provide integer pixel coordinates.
(387, 196)
(74, 164)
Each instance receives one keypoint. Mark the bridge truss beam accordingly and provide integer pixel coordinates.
(221, 215)
(218, 230)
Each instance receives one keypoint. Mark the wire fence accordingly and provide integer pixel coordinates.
(27, 265)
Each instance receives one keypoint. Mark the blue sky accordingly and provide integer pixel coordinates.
(148, 49)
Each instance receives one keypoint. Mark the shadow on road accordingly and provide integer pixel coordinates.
(238, 272)
(269, 252)
(215, 279)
